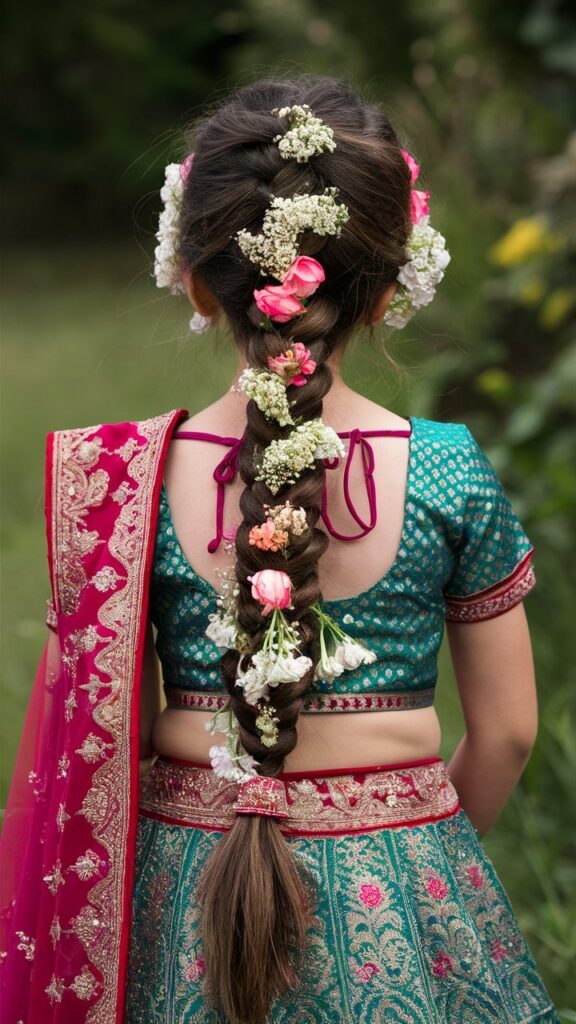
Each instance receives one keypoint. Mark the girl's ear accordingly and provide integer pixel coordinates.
(382, 303)
(199, 294)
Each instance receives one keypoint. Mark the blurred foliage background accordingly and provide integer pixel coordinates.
(483, 94)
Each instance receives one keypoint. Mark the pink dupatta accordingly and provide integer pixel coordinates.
(68, 839)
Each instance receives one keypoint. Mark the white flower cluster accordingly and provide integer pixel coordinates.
(306, 136)
(229, 760)
(166, 262)
(345, 653)
(418, 278)
(286, 458)
(222, 630)
(288, 518)
(269, 392)
(275, 248)
(270, 668)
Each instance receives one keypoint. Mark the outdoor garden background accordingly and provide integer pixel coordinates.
(483, 94)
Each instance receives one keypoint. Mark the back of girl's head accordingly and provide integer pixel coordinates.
(256, 902)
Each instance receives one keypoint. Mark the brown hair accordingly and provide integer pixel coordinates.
(256, 904)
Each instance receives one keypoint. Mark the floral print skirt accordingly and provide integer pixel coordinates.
(412, 922)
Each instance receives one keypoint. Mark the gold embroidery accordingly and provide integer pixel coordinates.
(84, 984)
(478, 607)
(27, 945)
(106, 805)
(51, 616)
(54, 990)
(86, 865)
(61, 817)
(318, 805)
(55, 878)
(55, 931)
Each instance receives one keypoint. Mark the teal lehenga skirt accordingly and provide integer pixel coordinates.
(412, 926)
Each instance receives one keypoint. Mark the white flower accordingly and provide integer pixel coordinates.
(286, 458)
(328, 668)
(275, 248)
(268, 390)
(166, 262)
(350, 654)
(235, 770)
(222, 631)
(306, 136)
(270, 669)
(418, 278)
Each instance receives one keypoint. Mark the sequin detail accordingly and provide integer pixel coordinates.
(319, 805)
(460, 538)
(403, 929)
(198, 700)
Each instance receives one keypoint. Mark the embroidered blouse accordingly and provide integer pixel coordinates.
(463, 557)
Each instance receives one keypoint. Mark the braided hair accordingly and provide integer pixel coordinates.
(255, 904)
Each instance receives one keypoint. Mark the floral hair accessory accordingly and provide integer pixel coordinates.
(307, 135)
(293, 365)
(167, 269)
(267, 725)
(418, 200)
(428, 259)
(275, 249)
(272, 588)
(274, 533)
(268, 390)
(338, 651)
(284, 459)
(282, 302)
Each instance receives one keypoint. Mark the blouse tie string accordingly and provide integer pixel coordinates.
(356, 437)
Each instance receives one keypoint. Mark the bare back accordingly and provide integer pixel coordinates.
(345, 570)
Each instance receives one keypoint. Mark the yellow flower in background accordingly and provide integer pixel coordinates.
(495, 382)
(527, 238)
(533, 291)
(557, 307)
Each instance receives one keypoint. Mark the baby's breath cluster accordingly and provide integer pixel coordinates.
(286, 458)
(307, 135)
(275, 248)
(418, 278)
(268, 390)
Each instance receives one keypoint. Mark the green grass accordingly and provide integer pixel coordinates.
(89, 339)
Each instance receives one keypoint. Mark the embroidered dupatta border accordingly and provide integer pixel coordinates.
(77, 484)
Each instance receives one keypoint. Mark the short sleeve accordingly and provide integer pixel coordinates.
(493, 558)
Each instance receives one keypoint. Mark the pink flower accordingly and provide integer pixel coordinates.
(304, 276)
(278, 302)
(365, 971)
(185, 166)
(267, 537)
(370, 895)
(437, 888)
(194, 969)
(293, 365)
(442, 964)
(418, 204)
(413, 167)
(475, 875)
(497, 951)
(418, 199)
(272, 588)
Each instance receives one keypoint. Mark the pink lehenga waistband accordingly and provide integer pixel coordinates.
(338, 801)
(394, 700)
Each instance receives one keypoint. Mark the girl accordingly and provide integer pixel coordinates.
(296, 849)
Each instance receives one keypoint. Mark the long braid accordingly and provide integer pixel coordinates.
(256, 905)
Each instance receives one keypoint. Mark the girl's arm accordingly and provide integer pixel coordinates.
(494, 669)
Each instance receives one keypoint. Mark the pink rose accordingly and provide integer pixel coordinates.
(304, 276)
(437, 888)
(278, 302)
(370, 895)
(272, 588)
(293, 365)
(418, 205)
(413, 167)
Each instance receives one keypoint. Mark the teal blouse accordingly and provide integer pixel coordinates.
(463, 557)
